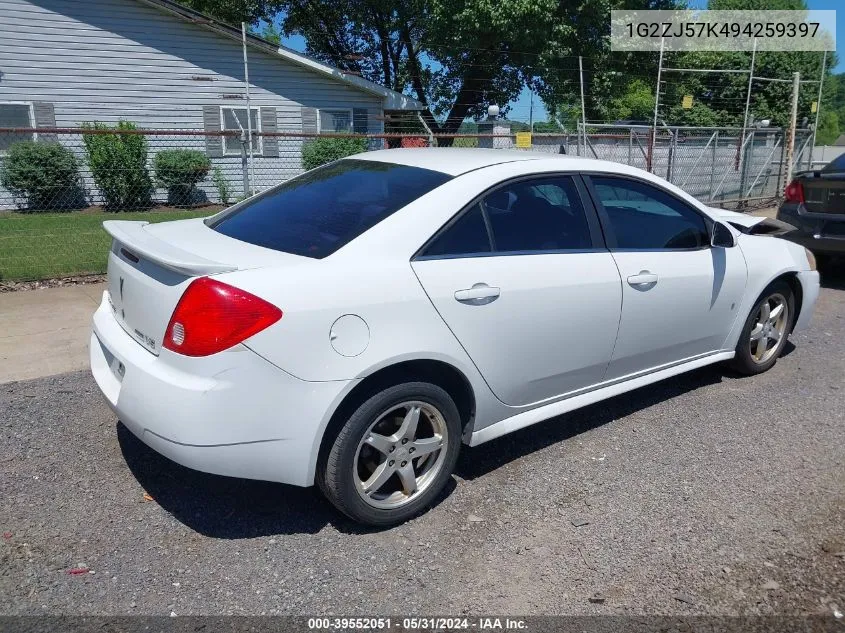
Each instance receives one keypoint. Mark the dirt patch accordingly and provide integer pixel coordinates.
(79, 280)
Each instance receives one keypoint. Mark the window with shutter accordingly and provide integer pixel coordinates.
(336, 121)
(15, 115)
(235, 119)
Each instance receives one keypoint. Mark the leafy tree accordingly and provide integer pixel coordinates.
(235, 11)
(458, 56)
(719, 98)
(267, 31)
(637, 103)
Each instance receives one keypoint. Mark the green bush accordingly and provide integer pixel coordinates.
(179, 170)
(324, 150)
(118, 164)
(46, 174)
(222, 185)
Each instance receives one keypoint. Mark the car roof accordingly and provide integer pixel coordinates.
(452, 160)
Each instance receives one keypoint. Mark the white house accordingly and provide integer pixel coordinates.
(165, 67)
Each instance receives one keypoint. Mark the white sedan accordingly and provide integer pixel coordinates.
(356, 325)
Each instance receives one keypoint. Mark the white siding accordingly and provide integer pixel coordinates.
(106, 60)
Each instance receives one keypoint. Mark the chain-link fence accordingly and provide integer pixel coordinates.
(727, 166)
(55, 183)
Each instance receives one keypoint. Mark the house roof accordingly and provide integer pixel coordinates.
(391, 99)
(840, 141)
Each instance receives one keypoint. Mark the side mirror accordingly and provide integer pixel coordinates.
(722, 236)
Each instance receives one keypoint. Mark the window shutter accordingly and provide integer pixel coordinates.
(359, 120)
(309, 120)
(45, 117)
(268, 124)
(211, 123)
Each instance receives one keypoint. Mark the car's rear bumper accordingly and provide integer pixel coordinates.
(821, 233)
(232, 413)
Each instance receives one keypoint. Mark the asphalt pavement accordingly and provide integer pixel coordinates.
(704, 494)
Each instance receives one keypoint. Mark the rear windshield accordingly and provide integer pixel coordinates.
(320, 211)
(837, 164)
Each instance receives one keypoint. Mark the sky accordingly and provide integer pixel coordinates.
(521, 108)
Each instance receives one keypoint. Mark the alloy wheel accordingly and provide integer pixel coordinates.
(401, 454)
(769, 328)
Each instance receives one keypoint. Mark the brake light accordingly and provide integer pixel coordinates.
(212, 316)
(794, 192)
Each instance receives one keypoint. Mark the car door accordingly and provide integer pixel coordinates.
(679, 295)
(525, 283)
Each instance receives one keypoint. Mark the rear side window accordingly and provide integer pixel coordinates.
(467, 236)
(528, 216)
(542, 214)
(320, 211)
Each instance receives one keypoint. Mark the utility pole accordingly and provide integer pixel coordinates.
(583, 106)
(656, 106)
(818, 109)
(531, 113)
(248, 114)
(793, 122)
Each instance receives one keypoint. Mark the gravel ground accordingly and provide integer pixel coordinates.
(705, 494)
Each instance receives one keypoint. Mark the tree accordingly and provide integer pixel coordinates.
(459, 56)
(236, 11)
(719, 98)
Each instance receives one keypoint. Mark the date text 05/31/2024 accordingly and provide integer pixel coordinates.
(416, 623)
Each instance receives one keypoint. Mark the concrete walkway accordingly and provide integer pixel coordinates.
(46, 332)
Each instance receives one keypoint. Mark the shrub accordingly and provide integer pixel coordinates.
(324, 150)
(46, 174)
(118, 164)
(180, 170)
(222, 185)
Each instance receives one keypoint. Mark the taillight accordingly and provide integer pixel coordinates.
(212, 316)
(794, 192)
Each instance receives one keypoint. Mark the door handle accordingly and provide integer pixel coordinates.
(643, 278)
(478, 295)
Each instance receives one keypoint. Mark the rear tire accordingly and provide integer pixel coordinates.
(393, 456)
(766, 330)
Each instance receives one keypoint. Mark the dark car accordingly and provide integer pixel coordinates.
(814, 203)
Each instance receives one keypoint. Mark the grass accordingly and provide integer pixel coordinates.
(49, 245)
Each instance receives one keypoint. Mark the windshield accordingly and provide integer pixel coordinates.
(837, 164)
(318, 212)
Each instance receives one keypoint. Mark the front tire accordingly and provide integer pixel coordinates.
(393, 456)
(766, 330)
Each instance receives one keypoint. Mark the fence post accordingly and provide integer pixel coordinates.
(583, 106)
(650, 160)
(748, 92)
(670, 159)
(713, 164)
(630, 144)
(818, 110)
(748, 150)
(244, 164)
(793, 122)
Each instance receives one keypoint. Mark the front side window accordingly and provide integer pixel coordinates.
(318, 212)
(336, 121)
(235, 119)
(15, 115)
(643, 217)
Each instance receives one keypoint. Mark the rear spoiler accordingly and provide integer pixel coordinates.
(142, 244)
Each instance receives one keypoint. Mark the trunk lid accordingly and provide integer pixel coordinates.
(824, 192)
(150, 265)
